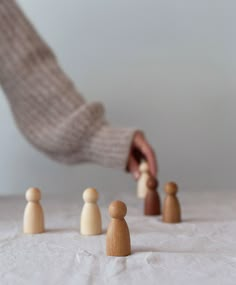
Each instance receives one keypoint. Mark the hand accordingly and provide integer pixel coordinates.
(140, 149)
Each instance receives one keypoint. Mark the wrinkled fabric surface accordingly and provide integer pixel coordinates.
(200, 250)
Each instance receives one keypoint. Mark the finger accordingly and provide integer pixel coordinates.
(151, 159)
(148, 152)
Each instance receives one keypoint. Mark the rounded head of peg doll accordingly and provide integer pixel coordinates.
(143, 167)
(152, 183)
(90, 195)
(33, 195)
(171, 188)
(117, 210)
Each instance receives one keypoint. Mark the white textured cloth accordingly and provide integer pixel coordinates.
(201, 250)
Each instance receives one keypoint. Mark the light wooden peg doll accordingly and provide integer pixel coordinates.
(142, 182)
(152, 205)
(118, 236)
(33, 222)
(90, 221)
(171, 209)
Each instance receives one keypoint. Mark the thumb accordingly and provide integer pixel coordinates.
(133, 167)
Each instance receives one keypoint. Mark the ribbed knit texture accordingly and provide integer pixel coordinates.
(48, 109)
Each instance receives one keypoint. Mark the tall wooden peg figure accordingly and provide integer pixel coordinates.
(152, 205)
(142, 182)
(33, 222)
(171, 210)
(118, 237)
(90, 220)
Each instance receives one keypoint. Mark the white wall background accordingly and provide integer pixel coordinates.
(168, 67)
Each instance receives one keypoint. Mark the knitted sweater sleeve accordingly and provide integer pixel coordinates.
(47, 108)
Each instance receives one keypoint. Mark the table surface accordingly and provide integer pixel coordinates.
(200, 250)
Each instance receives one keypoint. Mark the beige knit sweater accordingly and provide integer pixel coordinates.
(48, 109)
